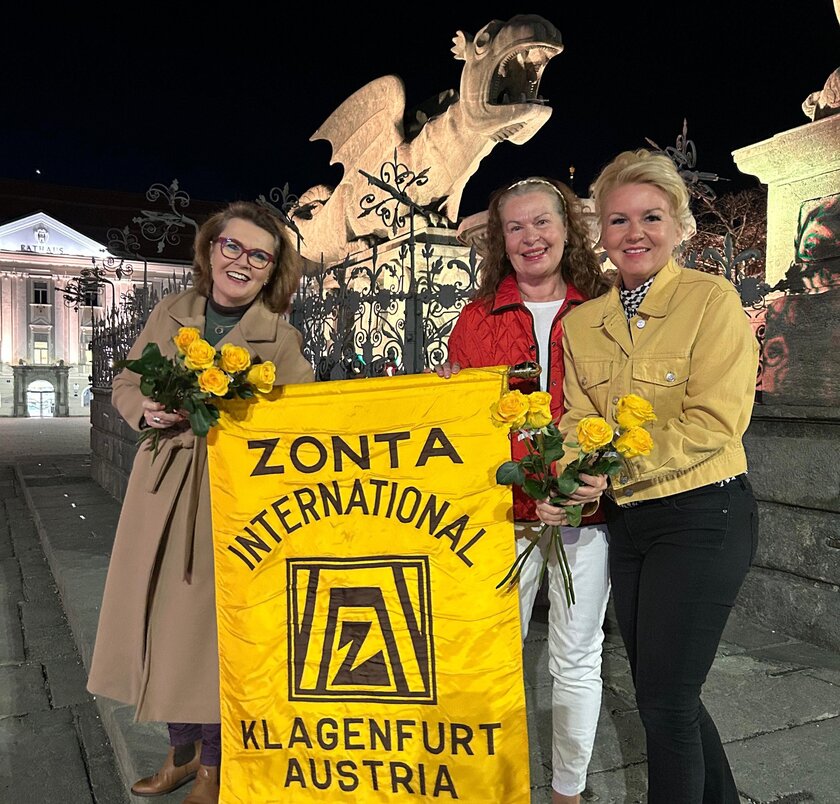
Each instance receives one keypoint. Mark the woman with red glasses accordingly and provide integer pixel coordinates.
(156, 645)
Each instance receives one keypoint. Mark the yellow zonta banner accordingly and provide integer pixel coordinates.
(365, 652)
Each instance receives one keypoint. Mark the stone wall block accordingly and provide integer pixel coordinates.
(808, 610)
(799, 541)
(794, 462)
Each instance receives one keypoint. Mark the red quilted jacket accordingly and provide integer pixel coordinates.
(503, 334)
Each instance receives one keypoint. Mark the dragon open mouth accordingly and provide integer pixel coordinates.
(516, 78)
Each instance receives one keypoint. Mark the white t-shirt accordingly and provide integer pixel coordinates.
(543, 313)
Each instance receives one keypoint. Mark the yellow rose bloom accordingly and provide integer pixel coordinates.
(632, 411)
(214, 381)
(593, 433)
(539, 410)
(261, 376)
(511, 410)
(634, 442)
(199, 355)
(234, 358)
(185, 336)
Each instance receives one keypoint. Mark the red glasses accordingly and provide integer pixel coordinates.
(256, 257)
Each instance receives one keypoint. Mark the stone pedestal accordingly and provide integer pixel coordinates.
(794, 584)
(799, 167)
(794, 437)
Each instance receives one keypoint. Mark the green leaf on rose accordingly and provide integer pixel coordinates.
(533, 489)
(574, 513)
(553, 452)
(202, 419)
(510, 472)
(566, 484)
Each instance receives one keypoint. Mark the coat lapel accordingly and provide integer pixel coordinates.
(188, 311)
(257, 326)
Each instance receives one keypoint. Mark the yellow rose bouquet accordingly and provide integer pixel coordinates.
(196, 378)
(601, 450)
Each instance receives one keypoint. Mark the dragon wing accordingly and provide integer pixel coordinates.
(369, 121)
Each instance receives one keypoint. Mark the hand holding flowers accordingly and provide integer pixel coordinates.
(601, 451)
(196, 378)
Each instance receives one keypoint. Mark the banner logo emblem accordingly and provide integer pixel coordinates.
(360, 629)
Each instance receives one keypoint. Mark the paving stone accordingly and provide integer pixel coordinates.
(11, 587)
(11, 632)
(23, 689)
(32, 746)
(620, 737)
(66, 680)
(6, 546)
(106, 783)
(45, 629)
(748, 696)
(800, 653)
(627, 785)
(800, 763)
(539, 736)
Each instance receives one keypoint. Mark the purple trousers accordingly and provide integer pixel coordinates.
(210, 735)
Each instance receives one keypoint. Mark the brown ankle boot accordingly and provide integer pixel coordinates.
(170, 777)
(205, 790)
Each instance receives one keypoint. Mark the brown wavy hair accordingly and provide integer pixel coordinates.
(284, 278)
(579, 266)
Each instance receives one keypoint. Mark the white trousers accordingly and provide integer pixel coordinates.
(575, 639)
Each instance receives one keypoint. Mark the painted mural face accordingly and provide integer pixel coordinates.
(238, 280)
(638, 231)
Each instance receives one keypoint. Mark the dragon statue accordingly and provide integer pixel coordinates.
(826, 102)
(429, 154)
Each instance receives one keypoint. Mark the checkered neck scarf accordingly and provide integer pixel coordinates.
(631, 299)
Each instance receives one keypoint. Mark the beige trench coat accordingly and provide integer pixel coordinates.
(156, 643)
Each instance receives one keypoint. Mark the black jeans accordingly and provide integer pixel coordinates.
(676, 566)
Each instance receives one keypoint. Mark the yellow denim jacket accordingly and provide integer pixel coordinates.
(689, 350)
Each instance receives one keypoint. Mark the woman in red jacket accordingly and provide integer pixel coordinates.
(538, 265)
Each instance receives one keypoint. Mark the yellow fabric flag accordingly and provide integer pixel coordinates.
(365, 652)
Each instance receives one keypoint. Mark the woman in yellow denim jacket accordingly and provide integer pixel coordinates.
(682, 520)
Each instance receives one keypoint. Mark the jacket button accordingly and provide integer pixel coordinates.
(640, 324)
(583, 380)
(615, 400)
(628, 493)
(532, 348)
(670, 376)
(623, 479)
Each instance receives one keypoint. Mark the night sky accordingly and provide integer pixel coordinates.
(225, 101)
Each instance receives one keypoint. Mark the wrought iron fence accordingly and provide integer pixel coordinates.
(369, 316)
(393, 315)
(114, 333)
